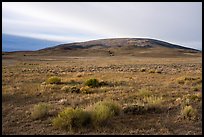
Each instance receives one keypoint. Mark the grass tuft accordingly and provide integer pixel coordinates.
(40, 110)
(103, 111)
(144, 92)
(70, 119)
(54, 80)
(188, 112)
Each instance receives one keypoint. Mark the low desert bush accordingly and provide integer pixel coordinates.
(191, 78)
(79, 74)
(40, 110)
(198, 81)
(92, 83)
(97, 115)
(195, 97)
(73, 82)
(158, 71)
(70, 119)
(86, 89)
(180, 80)
(134, 109)
(188, 112)
(103, 111)
(199, 95)
(66, 88)
(105, 83)
(54, 80)
(151, 71)
(72, 89)
(143, 69)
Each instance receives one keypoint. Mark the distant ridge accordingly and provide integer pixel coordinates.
(118, 42)
(137, 47)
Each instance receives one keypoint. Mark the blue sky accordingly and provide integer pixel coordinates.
(174, 22)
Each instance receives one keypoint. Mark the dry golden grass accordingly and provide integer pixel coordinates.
(24, 85)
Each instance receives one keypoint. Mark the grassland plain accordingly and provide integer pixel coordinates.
(153, 93)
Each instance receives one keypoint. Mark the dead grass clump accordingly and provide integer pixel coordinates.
(189, 80)
(178, 101)
(50, 87)
(198, 81)
(73, 82)
(199, 95)
(79, 74)
(191, 98)
(134, 109)
(40, 110)
(153, 101)
(180, 80)
(70, 119)
(158, 71)
(144, 92)
(54, 80)
(195, 97)
(143, 69)
(105, 83)
(197, 87)
(151, 71)
(86, 89)
(188, 112)
(66, 88)
(71, 89)
(74, 89)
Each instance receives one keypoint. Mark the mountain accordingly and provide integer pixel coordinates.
(121, 47)
(19, 43)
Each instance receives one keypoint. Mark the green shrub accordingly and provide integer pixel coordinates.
(40, 110)
(104, 111)
(92, 83)
(188, 112)
(54, 80)
(70, 119)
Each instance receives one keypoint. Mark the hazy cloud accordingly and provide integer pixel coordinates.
(180, 23)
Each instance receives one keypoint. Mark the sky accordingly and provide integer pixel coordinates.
(175, 22)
